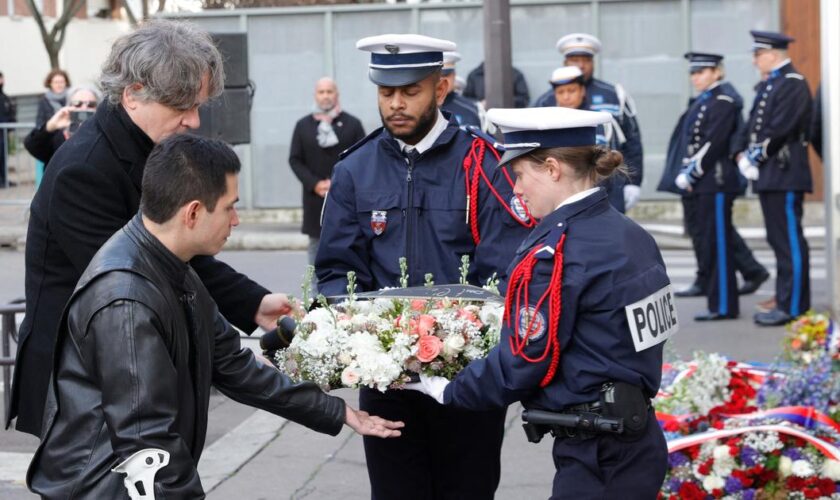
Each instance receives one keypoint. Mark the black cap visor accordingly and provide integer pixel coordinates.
(401, 76)
(511, 154)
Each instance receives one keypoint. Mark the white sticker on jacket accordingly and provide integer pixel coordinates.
(653, 319)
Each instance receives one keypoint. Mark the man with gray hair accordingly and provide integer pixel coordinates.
(154, 80)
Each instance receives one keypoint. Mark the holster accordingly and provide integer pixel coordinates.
(627, 402)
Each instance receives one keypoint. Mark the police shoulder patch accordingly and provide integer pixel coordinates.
(518, 208)
(532, 325)
(653, 319)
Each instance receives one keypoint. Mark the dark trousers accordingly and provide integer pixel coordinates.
(2, 158)
(604, 467)
(443, 452)
(783, 220)
(717, 232)
(745, 262)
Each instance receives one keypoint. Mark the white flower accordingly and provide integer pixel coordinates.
(362, 343)
(831, 470)
(350, 376)
(724, 463)
(785, 466)
(322, 318)
(318, 343)
(345, 358)
(473, 352)
(712, 482)
(802, 468)
(453, 344)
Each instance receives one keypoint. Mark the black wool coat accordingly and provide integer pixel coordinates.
(312, 163)
(91, 190)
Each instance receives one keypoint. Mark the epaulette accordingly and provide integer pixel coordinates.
(724, 97)
(795, 75)
(484, 136)
(361, 143)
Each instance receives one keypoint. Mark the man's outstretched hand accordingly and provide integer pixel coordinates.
(371, 425)
(272, 307)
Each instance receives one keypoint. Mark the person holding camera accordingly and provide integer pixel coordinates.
(43, 141)
(587, 310)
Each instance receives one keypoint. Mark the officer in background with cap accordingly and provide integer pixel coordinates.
(579, 50)
(775, 158)
(570, 92)
(588, 308)
(707, 119)
(463, 110)
(409, 189)
(700, 150)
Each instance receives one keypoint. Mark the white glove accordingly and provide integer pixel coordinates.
(682, 182)
(747, 169)
(632, 193)
(430, 386)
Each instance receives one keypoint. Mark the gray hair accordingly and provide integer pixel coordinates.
(169, 59)
(96, 93)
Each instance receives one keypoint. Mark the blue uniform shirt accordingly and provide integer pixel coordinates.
(465, 111)
(609, 263)
(713, 117)
(382, 206)
(778, 123)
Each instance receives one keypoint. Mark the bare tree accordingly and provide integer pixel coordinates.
(54, 38)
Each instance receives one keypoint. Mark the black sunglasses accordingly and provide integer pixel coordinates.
(79, 104)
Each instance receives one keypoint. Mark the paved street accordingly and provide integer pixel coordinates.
(253, 455)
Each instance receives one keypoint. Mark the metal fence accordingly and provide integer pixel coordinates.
(8, 323)
(19, 166)
(643, 44)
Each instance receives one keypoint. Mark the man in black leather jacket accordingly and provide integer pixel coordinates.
(141, 341)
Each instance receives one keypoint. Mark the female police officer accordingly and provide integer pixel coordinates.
(588, 306)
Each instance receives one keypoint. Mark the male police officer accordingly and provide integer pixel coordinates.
(409, 190)
(465, 111)
(579, 50)
(775, 158)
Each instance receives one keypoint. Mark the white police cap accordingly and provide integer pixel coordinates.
(398, 60)
(449, 60)
(579, 44)
(528, 129)
(566, 74)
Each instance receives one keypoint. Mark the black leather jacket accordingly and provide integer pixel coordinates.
(139, 345)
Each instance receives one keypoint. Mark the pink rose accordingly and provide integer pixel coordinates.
(423, 325)
(418, 305)
(428, 348)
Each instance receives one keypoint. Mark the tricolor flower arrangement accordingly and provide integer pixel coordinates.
(381, 343)
(739, 431)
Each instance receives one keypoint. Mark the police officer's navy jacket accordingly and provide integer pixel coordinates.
(383, 206)
(779, 121)
(609, 263)
(139, 345)
(713, 117)
(465, 111)
(602, 96)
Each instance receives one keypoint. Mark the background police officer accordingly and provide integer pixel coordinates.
(579, 50)
(465, 111)
(570, 92)
(569, 346)
(775, 158)
(703, 142)
(403, 192)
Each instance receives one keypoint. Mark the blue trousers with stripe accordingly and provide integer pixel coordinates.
(783, 220)
(718, 235)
